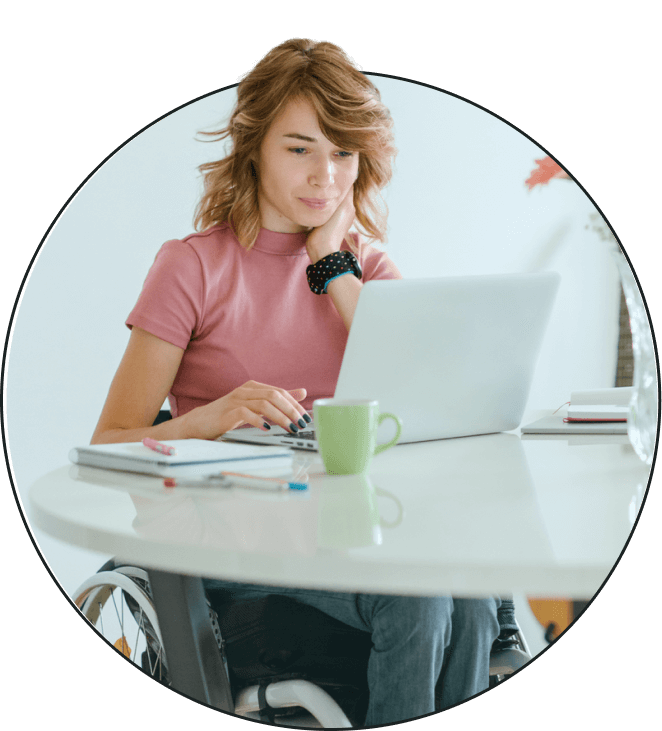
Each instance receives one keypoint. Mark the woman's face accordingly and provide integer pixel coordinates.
(302, 176)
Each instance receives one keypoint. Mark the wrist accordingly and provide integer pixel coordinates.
(187, 426)
(333, 279)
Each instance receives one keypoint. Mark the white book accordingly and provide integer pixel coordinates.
(193, 457)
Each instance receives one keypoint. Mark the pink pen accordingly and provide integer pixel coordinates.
(158, 447)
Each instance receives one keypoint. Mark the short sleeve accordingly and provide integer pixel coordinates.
(169, 305)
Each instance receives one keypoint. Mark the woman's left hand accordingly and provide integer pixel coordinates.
(328, 238)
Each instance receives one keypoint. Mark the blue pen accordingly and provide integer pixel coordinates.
(241, 480)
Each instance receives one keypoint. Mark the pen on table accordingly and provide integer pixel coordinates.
(234, 478)
(159, 447)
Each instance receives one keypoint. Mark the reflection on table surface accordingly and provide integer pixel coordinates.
(492, 513)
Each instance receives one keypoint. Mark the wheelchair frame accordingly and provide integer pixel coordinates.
(258, 702)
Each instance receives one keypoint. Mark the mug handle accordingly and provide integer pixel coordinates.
(401, 510)
(394, 441)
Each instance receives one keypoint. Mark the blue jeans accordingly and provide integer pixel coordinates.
(417, 641)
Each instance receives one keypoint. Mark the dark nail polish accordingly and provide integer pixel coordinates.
(293, 429)
(266, 426)
(307, 418)
(301, 423)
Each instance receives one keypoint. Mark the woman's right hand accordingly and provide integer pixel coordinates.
(252, 403)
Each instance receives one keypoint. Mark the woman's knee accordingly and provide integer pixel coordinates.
(427, 616)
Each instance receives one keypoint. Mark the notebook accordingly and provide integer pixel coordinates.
(194, 456)
(452, 357)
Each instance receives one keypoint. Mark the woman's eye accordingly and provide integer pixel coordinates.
(343, 154)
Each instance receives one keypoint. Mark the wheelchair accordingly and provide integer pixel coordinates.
(119, 596)
(117, 601)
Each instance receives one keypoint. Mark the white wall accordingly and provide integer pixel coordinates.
(458, 205)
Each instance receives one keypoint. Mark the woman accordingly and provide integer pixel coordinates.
(243, 324)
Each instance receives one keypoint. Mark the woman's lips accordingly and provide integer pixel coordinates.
(318, 203)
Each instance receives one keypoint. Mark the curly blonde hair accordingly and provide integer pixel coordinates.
(351, 115)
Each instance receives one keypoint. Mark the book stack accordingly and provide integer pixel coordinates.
(600, 411)
(600, 405)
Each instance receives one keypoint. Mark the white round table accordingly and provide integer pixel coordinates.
(494, 514)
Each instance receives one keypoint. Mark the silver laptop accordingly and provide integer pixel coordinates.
(452, 357)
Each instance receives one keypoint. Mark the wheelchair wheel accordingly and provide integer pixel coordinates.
(118, 603)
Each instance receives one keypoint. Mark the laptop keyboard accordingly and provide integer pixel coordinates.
(301, 435)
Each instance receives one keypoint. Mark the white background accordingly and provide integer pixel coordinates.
(458, 205)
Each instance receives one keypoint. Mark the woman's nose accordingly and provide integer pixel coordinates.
(323, 173)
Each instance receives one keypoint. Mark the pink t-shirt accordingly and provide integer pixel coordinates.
(245, 315)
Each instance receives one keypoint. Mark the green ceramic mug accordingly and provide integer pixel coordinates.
(346, 432)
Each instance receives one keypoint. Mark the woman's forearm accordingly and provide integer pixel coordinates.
(177, 428)
(345, 291)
